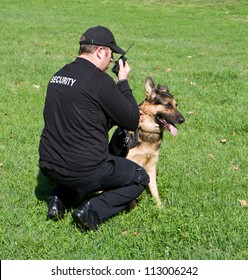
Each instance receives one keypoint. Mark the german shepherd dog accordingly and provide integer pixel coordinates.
(143, 145)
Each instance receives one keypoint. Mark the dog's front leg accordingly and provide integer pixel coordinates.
(153, 185)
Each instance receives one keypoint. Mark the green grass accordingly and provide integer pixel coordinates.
(204, 44)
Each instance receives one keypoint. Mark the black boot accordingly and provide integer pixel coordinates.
(56, 208)
(86, 217)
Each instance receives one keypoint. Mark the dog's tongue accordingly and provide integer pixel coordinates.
(173, 130)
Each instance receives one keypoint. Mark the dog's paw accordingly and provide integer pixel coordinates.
(159, 204)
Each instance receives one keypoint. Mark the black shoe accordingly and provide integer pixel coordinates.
(56, 209)
(86, 217)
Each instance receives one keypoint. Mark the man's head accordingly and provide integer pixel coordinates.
(97, 45)
(98, 36)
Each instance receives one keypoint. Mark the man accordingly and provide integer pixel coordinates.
(82, 104)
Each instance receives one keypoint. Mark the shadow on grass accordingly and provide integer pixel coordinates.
(44, 187)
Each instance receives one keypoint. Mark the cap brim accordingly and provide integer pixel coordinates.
(117, 49)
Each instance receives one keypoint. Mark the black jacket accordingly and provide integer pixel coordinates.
(82, 104)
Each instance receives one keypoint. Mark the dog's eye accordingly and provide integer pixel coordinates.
(168, 106)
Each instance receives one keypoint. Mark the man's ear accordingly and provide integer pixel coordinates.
(100, 52)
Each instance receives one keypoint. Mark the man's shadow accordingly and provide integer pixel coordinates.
(44, 187)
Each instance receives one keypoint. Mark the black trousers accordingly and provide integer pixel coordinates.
(121, 181)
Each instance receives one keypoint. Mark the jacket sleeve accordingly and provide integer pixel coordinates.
(118, 103)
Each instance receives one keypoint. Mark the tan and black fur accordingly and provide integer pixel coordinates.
(160, 114)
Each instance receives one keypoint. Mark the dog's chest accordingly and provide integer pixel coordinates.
(150, 139)
(144, 154)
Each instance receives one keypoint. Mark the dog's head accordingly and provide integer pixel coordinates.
(161, 106)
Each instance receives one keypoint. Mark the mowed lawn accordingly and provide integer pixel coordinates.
(199, 50)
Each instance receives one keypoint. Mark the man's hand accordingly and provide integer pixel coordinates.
(124, 70)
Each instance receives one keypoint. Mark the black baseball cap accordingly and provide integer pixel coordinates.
(100, 36)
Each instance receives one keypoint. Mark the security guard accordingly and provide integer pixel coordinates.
(82, 103)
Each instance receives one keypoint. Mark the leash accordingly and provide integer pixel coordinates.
(131, 139)
(122, 141)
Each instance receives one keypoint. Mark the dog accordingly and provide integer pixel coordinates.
(160, 113)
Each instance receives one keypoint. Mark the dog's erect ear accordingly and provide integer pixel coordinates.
(150, 89)
(163, 88)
